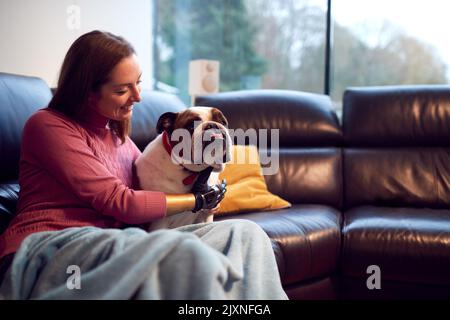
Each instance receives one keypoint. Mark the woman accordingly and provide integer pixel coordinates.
(77, 204)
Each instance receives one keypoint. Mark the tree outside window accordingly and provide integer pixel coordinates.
(280, 44)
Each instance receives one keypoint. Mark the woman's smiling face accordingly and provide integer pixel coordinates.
(116, 97)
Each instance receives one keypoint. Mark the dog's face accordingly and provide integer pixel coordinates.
(208, 133)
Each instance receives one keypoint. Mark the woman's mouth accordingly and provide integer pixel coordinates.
(127, 108)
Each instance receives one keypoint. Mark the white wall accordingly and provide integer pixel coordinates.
(36, 34)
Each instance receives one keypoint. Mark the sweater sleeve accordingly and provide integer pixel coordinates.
(60, 148)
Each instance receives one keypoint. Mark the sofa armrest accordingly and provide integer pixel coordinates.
(9, 194)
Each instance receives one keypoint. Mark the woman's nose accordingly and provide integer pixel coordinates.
(136, 94)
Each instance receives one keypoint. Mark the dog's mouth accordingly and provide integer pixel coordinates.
(213, 136)
(215, 145)
(208, 145)
(211, 145)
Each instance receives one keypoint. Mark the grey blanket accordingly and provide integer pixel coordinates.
(221, 260)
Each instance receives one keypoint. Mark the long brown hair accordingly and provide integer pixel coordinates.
(86, 67)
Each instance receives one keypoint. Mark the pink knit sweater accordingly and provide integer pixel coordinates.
(76, 174)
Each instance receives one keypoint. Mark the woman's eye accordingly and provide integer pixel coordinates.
(120, 93)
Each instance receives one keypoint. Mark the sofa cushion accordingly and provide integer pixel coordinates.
(20, 97)
(317, 289)
(9, 194)
(408, 244)
(246, 188)
(397, 147)
(308, 176)
(414, 177)
(414, 115)
(304, 119)
(307, 166)
(306, 239)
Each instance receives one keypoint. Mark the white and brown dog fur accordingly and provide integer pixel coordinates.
(159, 169)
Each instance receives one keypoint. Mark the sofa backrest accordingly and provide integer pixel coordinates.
(20, 97)
(309, 139)
(147, 112)
(397, 143)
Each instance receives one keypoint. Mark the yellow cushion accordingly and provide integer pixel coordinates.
(246, 187)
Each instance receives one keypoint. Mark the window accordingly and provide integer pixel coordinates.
(387, 42)
(268, 44)
(281, 44)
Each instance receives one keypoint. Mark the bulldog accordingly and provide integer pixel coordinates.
(190, 145)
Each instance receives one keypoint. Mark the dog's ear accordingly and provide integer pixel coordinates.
(166, 122)
(217, 116)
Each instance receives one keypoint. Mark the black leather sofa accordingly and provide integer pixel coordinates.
(374, 191)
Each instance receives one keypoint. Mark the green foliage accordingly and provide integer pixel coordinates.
(400, 59)
(283, 43)
(199, 29)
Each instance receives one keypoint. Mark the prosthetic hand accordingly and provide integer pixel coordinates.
(203, 196)
(210, 198)
(207, 197)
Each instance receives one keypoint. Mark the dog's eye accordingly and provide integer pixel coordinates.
(224, 123)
